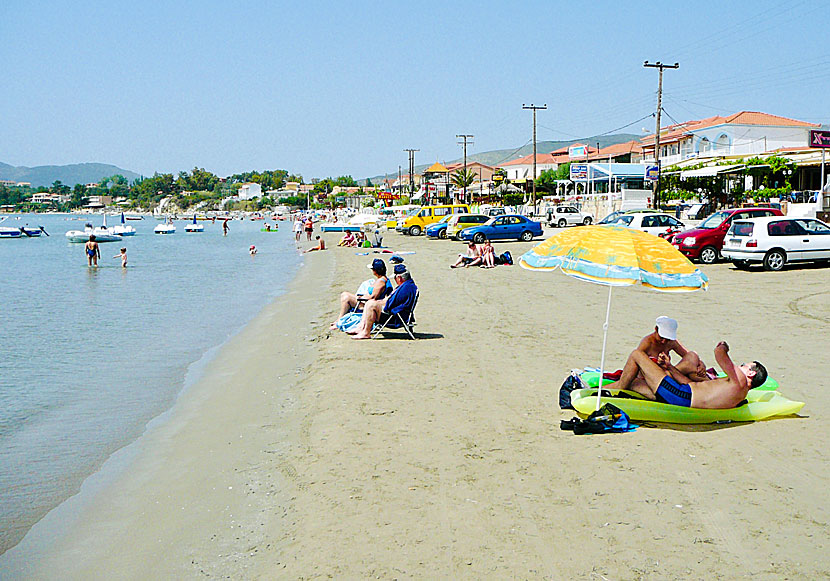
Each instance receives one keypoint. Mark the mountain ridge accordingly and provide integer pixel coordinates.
(71, 174)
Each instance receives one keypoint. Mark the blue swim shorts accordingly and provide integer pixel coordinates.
(674, 393)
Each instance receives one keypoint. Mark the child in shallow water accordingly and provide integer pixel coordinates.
(123, 257)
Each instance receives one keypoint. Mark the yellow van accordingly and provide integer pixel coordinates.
(419, 218)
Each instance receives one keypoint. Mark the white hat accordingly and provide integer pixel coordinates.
(667, 328)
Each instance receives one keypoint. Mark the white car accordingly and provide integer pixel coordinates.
(776, 240)
(655, 223)
(561, 216)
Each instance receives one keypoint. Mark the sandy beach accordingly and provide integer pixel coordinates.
(303, 454)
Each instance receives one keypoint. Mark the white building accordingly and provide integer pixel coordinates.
(743, 134)
(249, 191)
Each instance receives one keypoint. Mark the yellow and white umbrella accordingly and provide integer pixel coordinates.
(616, 256)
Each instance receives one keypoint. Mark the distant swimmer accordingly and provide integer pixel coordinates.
(93, 251)
(123, 257)
(252, 250)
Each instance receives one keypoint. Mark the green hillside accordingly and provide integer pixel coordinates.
(76, 173)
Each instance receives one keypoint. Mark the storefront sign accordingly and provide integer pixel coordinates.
(652, 173)
(579, 172)
(577, 151)
(820, 139)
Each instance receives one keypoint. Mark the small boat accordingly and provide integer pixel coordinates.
(32, 231)
(134, 217)
(101, 233)
(123, 229)
(166, 227)
(9, 232)
(194, 227)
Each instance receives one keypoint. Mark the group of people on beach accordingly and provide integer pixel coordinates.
(380, 299)
(650, 372)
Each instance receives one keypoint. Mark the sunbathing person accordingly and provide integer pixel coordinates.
(347, 240)
(380, 289)
(400, 299)
(661, 381)
(472, 258)
(664, 340)
(488, 255)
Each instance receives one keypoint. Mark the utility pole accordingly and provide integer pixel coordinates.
(534, 108)
(400, 184)
(660, 66)
(464, 143)
(411, 170)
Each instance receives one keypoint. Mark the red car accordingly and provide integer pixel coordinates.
(705, 242)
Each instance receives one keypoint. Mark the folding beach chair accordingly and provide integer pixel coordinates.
(402, 320)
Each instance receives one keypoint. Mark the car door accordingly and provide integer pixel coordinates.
(815, 239)
(651, 224)
(786, 234)
(499, 229)
(514, 227)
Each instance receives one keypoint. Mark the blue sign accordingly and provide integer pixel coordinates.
(652, 173)
(579, 172)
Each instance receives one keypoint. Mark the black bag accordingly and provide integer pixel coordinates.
(505, 258)
(572, 382)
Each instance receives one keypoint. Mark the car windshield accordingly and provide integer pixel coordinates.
(444, 219)
(413, 212)
(714, 220)
(490, 222)
(610, 218)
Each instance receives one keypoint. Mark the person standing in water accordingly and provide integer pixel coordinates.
(93, 252)
(123, 257)
(224, 227)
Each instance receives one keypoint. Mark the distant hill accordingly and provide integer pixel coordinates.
(76, 173)
(499, 156)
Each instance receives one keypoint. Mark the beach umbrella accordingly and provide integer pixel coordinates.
(615, 256)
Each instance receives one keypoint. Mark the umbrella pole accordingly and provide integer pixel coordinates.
(604, 339)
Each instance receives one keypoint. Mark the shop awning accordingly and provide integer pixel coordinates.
(711, 171)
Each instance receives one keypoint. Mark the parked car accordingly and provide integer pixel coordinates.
(460, 221)
(503, 228)
(561, 216)
(494, 211)
(775, 241)
(656, 223)
(704, 243)
(612, 217)
(439, 229)
(420, 217)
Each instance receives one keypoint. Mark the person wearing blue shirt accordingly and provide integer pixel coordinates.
(399, 301)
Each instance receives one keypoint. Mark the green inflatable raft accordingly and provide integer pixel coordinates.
(760, 404)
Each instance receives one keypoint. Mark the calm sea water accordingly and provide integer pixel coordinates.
(88, 356)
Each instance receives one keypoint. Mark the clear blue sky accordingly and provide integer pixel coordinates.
(342, 88)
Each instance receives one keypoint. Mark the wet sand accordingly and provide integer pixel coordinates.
(304, 454)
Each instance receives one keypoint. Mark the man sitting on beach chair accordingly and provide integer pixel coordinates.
(660, 381)
(397, 305)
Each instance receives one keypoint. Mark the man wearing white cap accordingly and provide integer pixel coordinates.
(659, 344)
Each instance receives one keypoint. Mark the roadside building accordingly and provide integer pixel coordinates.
(249, 191)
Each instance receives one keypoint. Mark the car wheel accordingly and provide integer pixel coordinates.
(775, 260)
(741, 264)
(587, 221)
(709, 255)
(562, 223)
(479, 238)
(526, 236)
(442, 234)
(415, 231)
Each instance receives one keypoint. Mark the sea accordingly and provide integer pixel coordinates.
(90, 356)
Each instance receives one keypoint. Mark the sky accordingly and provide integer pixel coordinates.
(342, 88)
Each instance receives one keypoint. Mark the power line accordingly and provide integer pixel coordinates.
(660, 67)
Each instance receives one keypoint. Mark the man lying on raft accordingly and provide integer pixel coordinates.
(661, 381)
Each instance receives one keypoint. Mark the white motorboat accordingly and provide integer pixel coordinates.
(123, 229)
(101, 233)
(165, 227)
(194, 227)
(9, 232)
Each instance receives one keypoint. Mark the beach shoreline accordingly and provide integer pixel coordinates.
(443, 457)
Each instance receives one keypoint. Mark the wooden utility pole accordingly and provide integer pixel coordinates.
(659, 66)
(411, 170)
(534, 108)
(464, 143)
